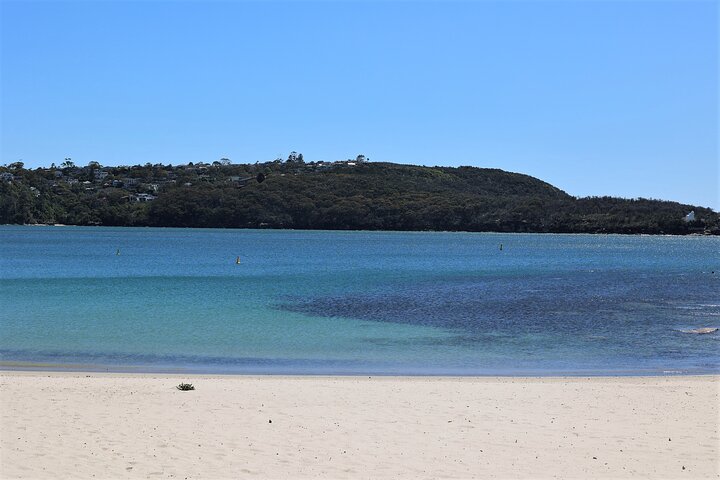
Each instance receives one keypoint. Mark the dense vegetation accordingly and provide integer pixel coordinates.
(340, 195)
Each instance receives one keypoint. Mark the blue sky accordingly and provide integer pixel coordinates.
(595, 97)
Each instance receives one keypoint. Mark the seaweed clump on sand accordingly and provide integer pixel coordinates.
(185, 386)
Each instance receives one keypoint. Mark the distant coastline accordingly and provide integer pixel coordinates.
(352, 194)
(693, 234)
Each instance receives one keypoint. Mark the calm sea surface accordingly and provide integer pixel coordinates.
(358, 302)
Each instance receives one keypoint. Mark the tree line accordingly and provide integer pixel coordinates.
(339, 196)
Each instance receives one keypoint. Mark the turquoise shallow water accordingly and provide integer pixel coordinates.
(358, 302)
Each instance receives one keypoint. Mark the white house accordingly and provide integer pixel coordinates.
(690, 217)
(142, 197)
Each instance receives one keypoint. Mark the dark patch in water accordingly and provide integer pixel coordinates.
(633, 316)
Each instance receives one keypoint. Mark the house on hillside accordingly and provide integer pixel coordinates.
(141, 198)
(239, 181)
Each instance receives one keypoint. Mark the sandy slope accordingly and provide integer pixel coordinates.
(67, 425)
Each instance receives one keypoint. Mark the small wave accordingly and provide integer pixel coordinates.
(701, 331)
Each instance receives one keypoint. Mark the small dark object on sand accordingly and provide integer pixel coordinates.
(269, 421)
(185, 386)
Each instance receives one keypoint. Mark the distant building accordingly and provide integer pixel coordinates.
(690, 217)
(142, 198)
(101, 174)
(239, 181)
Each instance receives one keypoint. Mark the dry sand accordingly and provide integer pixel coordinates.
(66, 425)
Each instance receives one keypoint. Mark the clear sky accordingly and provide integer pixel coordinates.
(595, 97)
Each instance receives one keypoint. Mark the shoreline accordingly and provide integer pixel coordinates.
(713, 377)
(75, 368)
(138, 425)
(44, 370)
(483, 232)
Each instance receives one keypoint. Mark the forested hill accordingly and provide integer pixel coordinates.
(340, 195)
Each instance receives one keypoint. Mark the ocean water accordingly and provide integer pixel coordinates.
(319, 302)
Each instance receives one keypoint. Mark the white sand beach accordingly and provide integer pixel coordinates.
(95, 425)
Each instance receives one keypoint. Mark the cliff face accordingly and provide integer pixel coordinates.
(343, 195)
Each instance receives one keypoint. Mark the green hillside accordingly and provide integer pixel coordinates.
(339, 195)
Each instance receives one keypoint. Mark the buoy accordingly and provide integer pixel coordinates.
(237, 261)
(501, 247)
